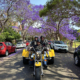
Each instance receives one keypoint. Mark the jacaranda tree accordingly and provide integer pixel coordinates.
(60, 12)
(27, 14)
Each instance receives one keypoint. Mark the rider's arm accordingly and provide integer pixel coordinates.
(32, 43)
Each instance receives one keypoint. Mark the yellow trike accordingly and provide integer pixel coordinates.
(26, 58)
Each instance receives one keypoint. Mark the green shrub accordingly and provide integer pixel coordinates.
(9, 34)
(2, 37)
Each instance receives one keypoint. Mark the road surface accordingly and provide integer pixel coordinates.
(12, 68)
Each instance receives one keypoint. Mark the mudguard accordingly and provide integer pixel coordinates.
(51, 53)
(37, 64)
(25, 53)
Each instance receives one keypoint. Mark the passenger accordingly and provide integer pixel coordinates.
(42, 41)
(45, 44)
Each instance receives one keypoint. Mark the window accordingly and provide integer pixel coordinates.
(49, 41)
(9, 44)
(1, 44)
(59, 42)
(6, 43)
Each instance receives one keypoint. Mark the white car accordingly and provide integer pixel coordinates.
(20, 45)
(59, 45)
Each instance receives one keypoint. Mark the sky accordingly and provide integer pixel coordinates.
(38, 2)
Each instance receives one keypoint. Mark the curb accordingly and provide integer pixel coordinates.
(70, 52)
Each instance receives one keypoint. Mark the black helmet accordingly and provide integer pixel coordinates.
(41, 37)
(36, 36)
(38, 40)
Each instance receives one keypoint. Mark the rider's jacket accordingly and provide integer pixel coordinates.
(33, 43)
(44, 44)
(38, 47)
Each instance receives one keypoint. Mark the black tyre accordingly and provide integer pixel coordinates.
(38, 73)
(6, 53)
(76, 60)
(66, 51)
(52, 60)
(50, 47)
(53, 47)
(15, 50)
(25, 61)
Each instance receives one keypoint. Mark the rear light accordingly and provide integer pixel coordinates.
(2, 48)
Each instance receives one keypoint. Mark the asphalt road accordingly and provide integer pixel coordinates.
(12, 68)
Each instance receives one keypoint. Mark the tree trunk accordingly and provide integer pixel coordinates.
(2, 29)
(23, 37)
(58, 27)
(56, 35)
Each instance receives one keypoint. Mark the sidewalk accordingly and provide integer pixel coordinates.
(71, 50)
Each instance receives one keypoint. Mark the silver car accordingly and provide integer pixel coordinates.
(20, 45)
(59, 45)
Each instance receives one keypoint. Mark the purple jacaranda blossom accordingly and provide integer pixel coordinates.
(15, 27)
(75, 18)
(71, 0)
(30, 13)
(34, 31)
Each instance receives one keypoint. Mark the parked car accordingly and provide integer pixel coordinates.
(28, 43)
(20, 45)
(59, 45)
(6, 48)
(77, 56)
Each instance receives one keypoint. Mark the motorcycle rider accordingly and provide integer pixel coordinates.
(38, 47)
(33, 43)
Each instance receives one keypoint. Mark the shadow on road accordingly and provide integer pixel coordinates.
(13, 69)
(62, 69)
